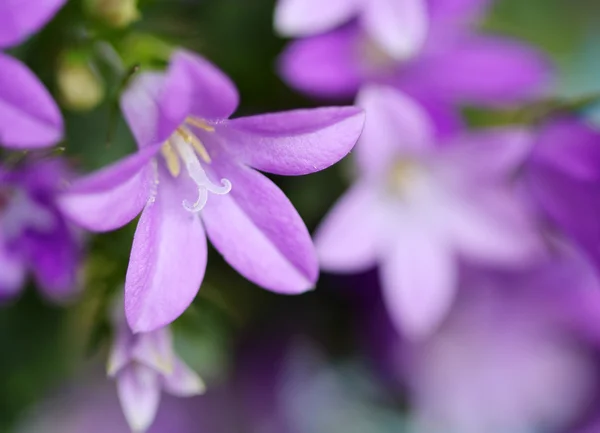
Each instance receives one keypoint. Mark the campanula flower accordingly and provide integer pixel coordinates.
(398, 27)
(419, 205)
(510, 357)
(29, 117)
(456, 64)
(34, 235)
(143, 365)
(197, 171)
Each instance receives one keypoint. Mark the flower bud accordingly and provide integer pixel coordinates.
(115, 13)
(80, 87)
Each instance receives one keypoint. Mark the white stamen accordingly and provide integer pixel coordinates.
(198, 175)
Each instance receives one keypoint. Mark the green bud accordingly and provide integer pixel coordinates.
(115, 13)
(80, 87)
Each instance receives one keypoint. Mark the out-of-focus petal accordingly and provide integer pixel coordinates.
(19, 19)
(155, 349)
(398, 26)
(113, 196)
(12, 272)
(395, 126)
(183, 381)
(491, 153)
(482, 70)
(140, 106)
(459, 12)
(168, 260)
(418, 278)
(296, 142)
(194, 87)
(139, 390)
(29, 117)
(325, 65)
(309, 17)
(570, 146)
(259, 233)
(348, 239)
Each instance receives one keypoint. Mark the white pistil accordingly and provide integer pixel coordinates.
(184, 143)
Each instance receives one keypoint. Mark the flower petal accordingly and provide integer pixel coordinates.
(113, 196)
(570, 146)
(20, 19)
(347, 240)
(183, 381)
(324, 65)
(139, 393)
(155, 349)
(194, 87)
(140, 106)
(483, 70)
(12, 272)
(168, 260)
(418, 278)
(398, 26)
(462, 12)
(395, 126)
(29, 117)
(309, 17)
(259, 233)
(493, 153)
(296, 142)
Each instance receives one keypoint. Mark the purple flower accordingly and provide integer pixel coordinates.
(510, 357)
(33, 233)
(455, 65)
(563, 178)
(418, 206)
(143, 365)
(29, 117)
(188, 149)
(399, 27)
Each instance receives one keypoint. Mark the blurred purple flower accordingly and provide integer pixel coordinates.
(29, 117)
(399, 27)
(143, 365)
(183, 115)
(563, 177)
(33, 232)
(510, 357)
(456, 64)
(418, 206)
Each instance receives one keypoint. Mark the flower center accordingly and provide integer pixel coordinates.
(402, 175)
(184, 146)
(373, 58)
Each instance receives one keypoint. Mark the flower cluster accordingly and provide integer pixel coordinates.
(472, 245)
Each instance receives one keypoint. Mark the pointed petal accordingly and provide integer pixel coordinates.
(259, 233)
(296, 142)
(486, 70)
(155, 349)
(309, 17)
(183, 381)
(120, 351)
(348, 239)
(324, 65)
(194, 87)
(395, 126)
(113, 196)
(168, 260)
(20, 19)
(140, 106)
(398, 26)
(418, 278)
(139, 393)
(493, 153)
(29, 117)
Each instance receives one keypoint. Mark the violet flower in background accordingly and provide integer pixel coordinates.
(34, 235)
(418, 206)
(144, 365)
(183, 116)
(456, 65)
(512, 356)
(29, 117)
(398, 27)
